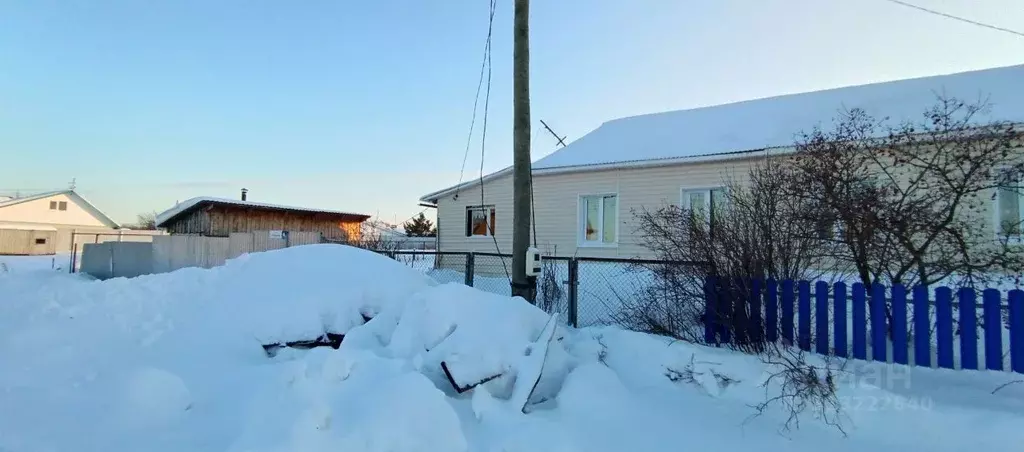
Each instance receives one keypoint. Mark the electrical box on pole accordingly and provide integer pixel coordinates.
(532, 262)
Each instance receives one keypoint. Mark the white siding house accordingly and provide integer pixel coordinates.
(48, 220)
(585, 193)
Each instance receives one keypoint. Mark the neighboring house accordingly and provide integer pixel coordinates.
(206, 232)
(217, 217)
(44, 223)
(394, 237)
(585, 193)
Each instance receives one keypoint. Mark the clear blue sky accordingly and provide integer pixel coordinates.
(365, 105)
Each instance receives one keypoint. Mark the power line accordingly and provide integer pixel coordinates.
(483, 133)
(414, 216)
(476, 98)
(533, 202)
(958, 18)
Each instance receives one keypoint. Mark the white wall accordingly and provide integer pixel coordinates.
(557, 196)
(38, 211)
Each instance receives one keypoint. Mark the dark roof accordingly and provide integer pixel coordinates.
(192, 204)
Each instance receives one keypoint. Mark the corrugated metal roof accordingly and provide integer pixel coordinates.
(188, 205)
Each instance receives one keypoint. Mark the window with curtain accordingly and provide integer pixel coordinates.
(480, 221)
(599, 216)
(705, 202)
(1010, 206)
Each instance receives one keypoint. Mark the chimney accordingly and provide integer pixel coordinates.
(244, 192)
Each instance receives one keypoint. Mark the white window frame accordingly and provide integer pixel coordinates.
(837, 231)
(684, 200)
(581, 221)
(491, 212)
(997, 220)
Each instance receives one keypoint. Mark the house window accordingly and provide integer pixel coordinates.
(599, 216)
(41, 241)
(480, 221)
(63, 205)
(830, 228)
(704, 202)
(53, 205)
(1010, 206)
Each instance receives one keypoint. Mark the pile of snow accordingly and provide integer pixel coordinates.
(175, 362)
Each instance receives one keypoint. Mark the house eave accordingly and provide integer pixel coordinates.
(649, 163)
(206, 204)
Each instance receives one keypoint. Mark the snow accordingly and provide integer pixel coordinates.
(52, 262)
(192, 202)
(774, 122)
(174, 362)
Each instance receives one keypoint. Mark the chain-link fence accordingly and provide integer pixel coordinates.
(584, 291)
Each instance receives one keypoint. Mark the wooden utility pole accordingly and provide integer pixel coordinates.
(522, 285)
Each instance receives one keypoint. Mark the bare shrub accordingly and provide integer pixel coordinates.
(551, 296)
(802, 387)
(906, 200)
(374, 236)
(692, 375)
(748, 230)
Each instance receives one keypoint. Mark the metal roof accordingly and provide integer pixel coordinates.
(190, 204)
(737, 130)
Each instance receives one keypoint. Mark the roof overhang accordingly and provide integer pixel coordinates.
(738, 155)
(27, 227)
(202, 203)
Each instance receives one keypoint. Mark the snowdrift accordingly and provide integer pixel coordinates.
(176, 362)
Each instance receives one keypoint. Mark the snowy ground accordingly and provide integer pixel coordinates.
(34, 263)
(174, 362)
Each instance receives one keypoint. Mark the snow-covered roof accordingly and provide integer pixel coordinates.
(189, 204)
(12, 201)
(88, 206)
(736, 130)
(775, 121)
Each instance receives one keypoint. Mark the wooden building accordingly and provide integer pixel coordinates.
(217, 217)
(27, 240)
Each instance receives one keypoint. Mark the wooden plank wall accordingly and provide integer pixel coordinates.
(222, 221)
(23, 242)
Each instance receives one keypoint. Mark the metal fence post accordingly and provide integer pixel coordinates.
(574, 279)
(470, 266)
(74, 254)
(110, 269)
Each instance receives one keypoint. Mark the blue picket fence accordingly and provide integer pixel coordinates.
(876, 323)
